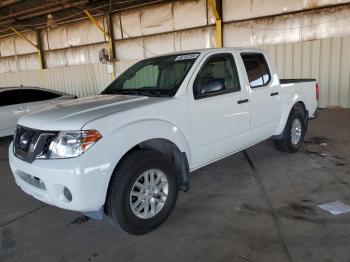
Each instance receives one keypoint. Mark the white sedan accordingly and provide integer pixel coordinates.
(18, 101)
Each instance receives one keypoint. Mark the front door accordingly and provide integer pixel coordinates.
(220, 112)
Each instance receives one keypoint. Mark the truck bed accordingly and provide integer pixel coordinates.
(296, 80)
(304, 88)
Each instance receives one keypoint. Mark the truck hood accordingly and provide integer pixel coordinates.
(74, 114)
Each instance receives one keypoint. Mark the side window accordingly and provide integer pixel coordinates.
(257, 69)
(264, 68)
(9, 97)
(219, 71)
(30, 95)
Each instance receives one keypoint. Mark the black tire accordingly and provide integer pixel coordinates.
(285, 144)
(125, 176)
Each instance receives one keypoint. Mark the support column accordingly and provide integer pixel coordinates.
(216, 7)
(39, 51)
(108, 36)
(39, 45)
(111, 34)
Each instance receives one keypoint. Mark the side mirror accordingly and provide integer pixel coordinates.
(212, 86)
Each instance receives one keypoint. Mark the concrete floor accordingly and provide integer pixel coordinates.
(232, 213)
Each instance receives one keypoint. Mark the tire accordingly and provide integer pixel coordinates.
(140, 166)
(290, 142)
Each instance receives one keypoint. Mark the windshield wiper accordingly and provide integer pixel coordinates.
(151, 93)
(121, 92)
(158, 93)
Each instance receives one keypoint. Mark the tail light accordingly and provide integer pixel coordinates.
(317, 91)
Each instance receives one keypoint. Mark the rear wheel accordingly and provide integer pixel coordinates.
(143, 192)
(294, 131)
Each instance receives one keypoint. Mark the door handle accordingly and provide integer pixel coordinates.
(274, 94)
(243, 101)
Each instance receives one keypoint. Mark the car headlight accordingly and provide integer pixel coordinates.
(73, 143)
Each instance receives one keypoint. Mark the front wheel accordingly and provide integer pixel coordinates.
(294, 131)
(143, 192)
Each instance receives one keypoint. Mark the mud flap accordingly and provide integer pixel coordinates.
(97, 215)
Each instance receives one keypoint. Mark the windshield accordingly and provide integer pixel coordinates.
(159, 76)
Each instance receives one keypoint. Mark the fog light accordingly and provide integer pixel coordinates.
(67, 194)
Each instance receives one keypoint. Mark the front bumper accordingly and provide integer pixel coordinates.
(315, 115)
(46, 180)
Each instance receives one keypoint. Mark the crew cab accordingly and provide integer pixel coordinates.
(128, 150)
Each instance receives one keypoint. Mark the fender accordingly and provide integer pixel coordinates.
(119, 140)
(286, 109)
(142, 130)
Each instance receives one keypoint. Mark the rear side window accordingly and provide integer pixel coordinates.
(257, 69)
(30, 95)
(9, 97)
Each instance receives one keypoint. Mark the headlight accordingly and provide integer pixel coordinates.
(73, 143)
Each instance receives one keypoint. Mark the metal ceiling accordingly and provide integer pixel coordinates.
(31, 14)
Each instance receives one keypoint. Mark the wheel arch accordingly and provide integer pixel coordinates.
(285, 115)
(166, 147)
(173, 152)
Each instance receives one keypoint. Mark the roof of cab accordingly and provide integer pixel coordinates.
(207, 50)
(210, 50)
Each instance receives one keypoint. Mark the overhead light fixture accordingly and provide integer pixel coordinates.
(51, 21)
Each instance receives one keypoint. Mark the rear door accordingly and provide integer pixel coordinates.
(220, 119)
(265, 96)
(11, 110)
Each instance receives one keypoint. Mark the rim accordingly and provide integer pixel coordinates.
(296, 131)
(149, 194)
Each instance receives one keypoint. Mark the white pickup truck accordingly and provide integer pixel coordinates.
(127, 151)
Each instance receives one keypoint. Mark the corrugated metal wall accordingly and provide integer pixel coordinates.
(138, 33)
(82, 80)
(71, 50)
(327, 60)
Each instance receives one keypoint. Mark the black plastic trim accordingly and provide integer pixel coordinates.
(243, 101)
(36, 143)
(301, 80)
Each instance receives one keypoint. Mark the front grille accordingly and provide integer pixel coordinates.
(30, 144)
(29, 133)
